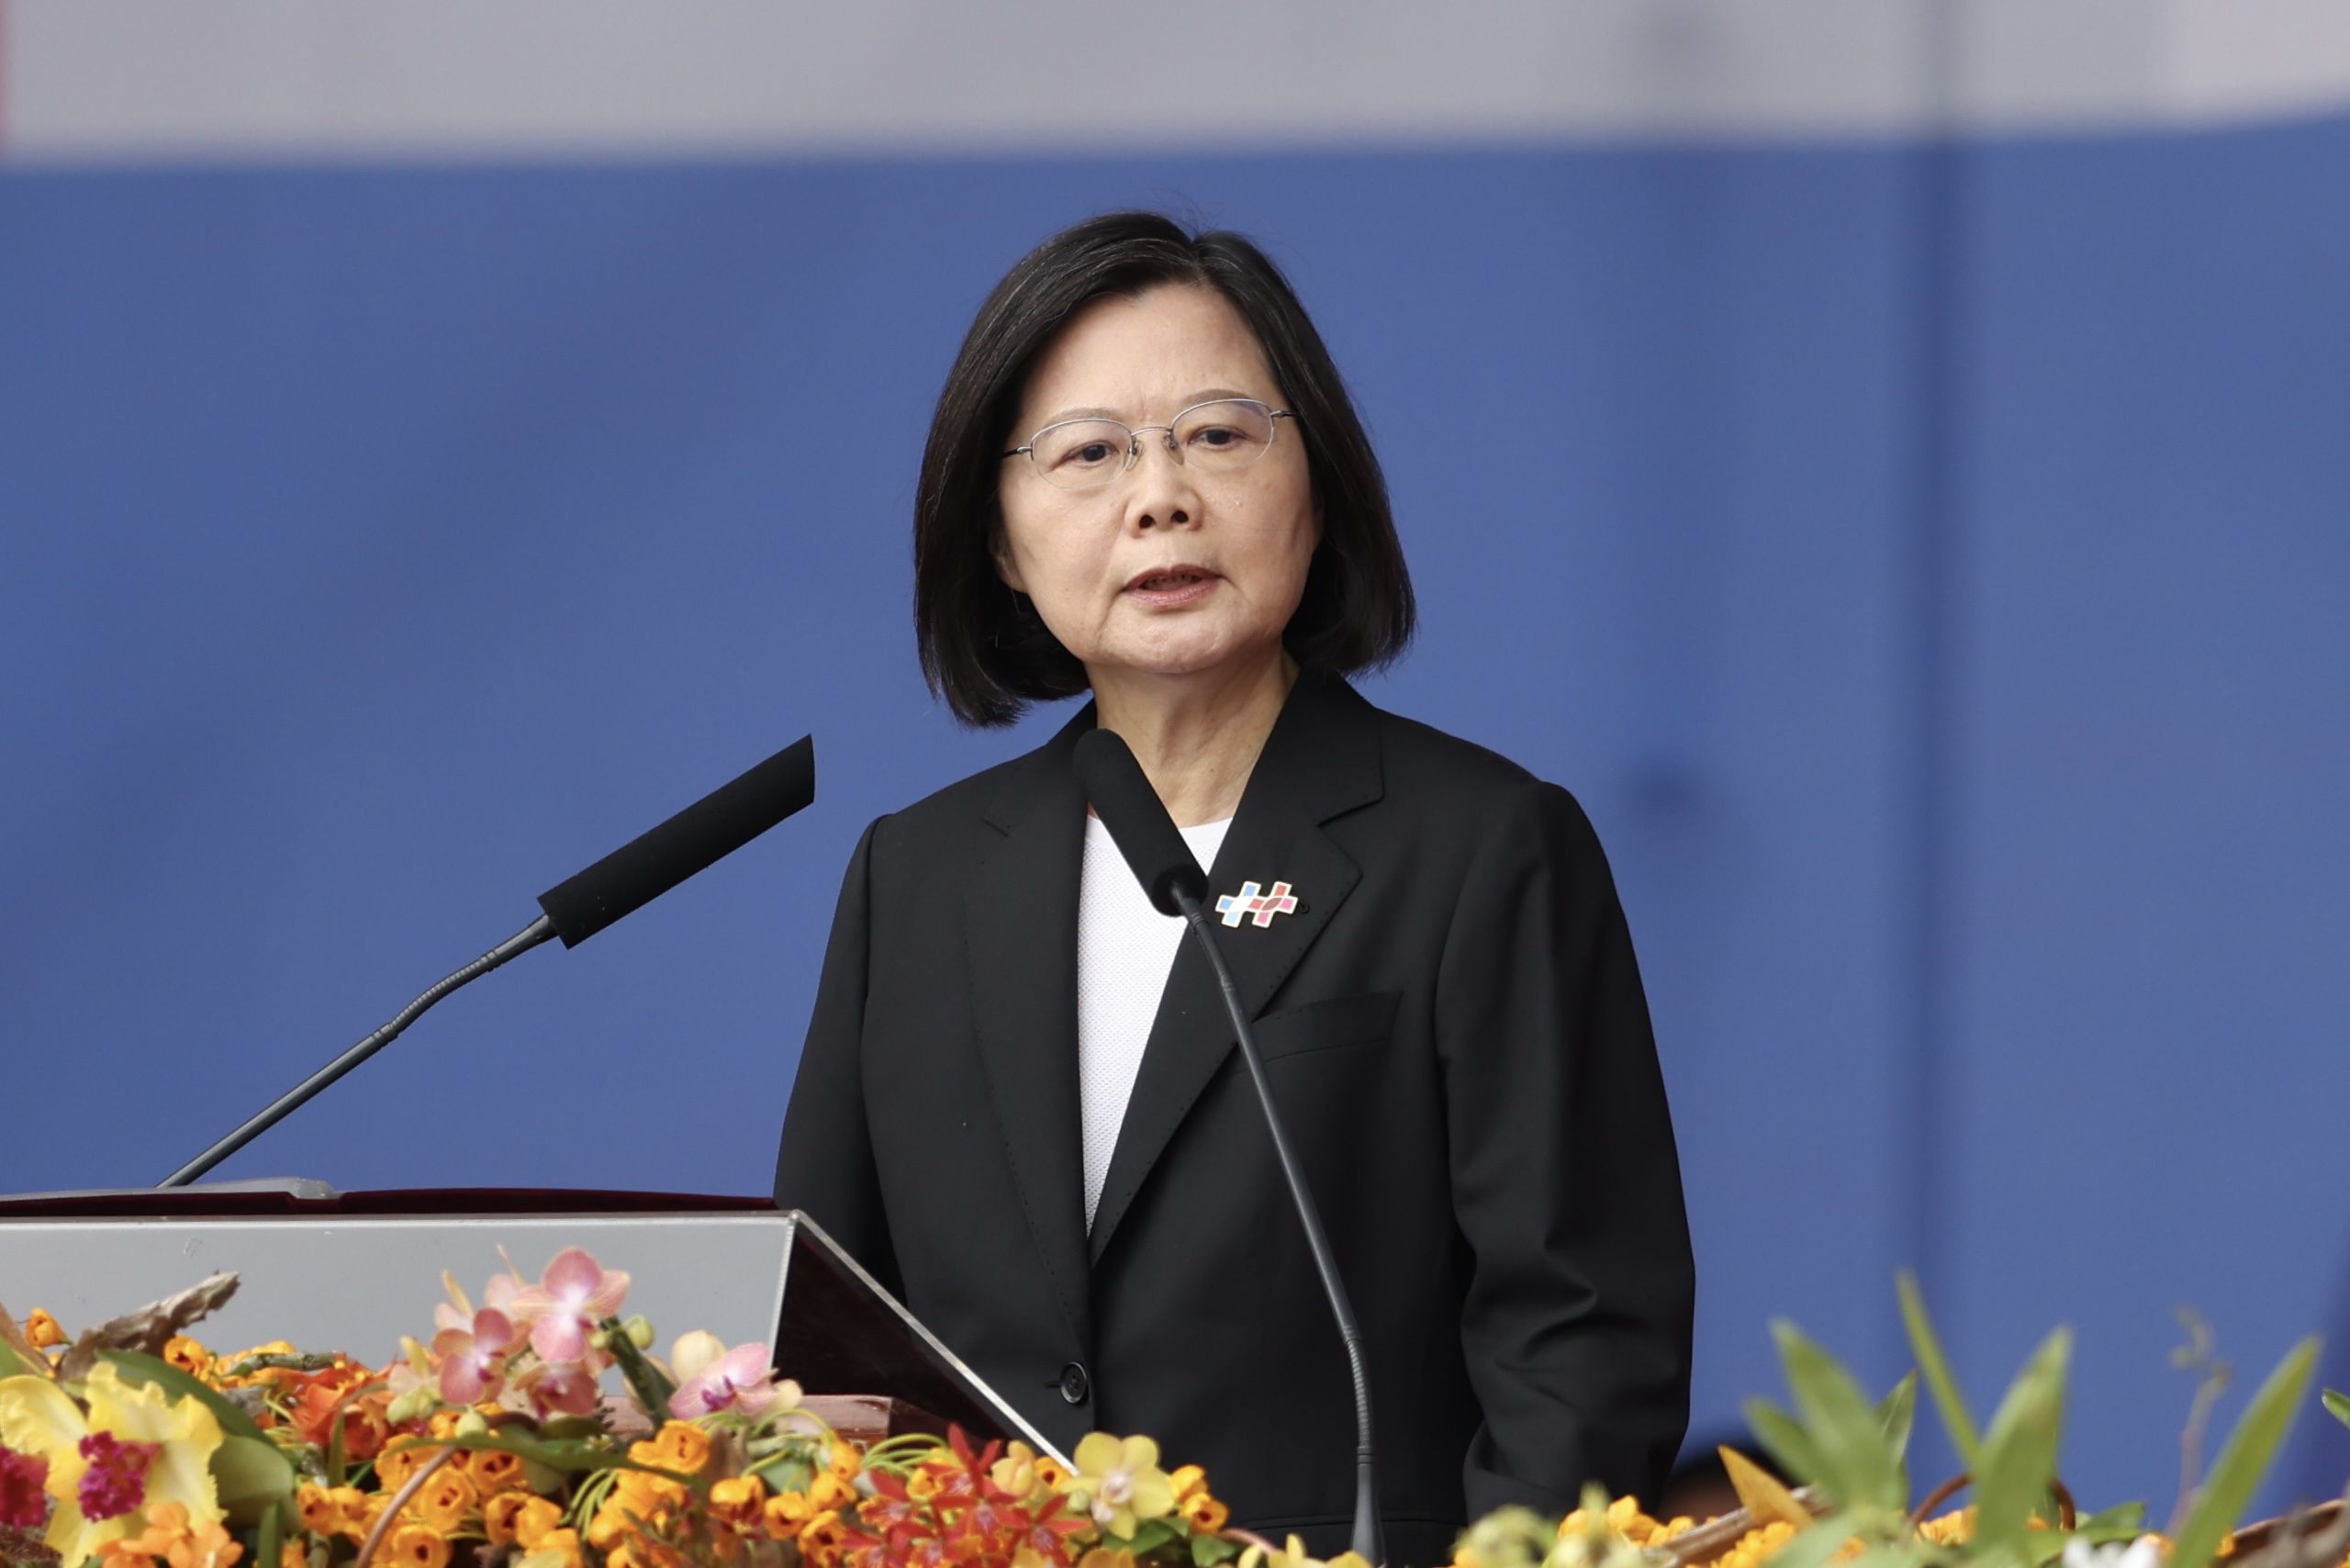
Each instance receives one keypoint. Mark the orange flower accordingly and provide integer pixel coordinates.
(209, 1547)
(820, 1538)
(293, 1555)
(831, 1494)
(1203, 1513)
(739, 1500)
(320, 1512)
(319, 1396)
(169, 1539)
(498, 1516)
(785, 1514)
(922, 1485)
(610, 1526)
(189, 1355)
(366, 1429)
(1052, 1472)
(444, 1501)
(682, 1448)
(351, 1504)
(494, 1469)
(556, 1549)
(844, 1461)
(43, 1331)
(359, 1523)
(272, 1376)
(537, 1520)
(417, 1546)
(395, 1466)
(1187, 1480)
(646, 1494)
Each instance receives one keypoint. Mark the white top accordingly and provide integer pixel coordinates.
(1124, 949)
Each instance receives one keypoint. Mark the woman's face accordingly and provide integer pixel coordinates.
(1169, 569)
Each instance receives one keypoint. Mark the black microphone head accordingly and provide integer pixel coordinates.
(1139, 823)
(657, 860)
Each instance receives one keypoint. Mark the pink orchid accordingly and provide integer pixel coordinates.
(560, 1388)
(457, 1312)
(740, 1378)
(574, 1294)
(473, 1359)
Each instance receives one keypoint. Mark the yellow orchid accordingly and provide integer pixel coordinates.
(1122, 1483)
(1295, 1557)
(178, 1439)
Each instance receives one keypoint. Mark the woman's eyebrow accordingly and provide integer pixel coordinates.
(1206, 394)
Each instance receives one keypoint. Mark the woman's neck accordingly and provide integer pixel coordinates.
(1197, 738)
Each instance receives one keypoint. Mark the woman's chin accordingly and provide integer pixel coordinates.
(1184, 659)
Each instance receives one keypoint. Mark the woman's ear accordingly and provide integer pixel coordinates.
(1000, 552)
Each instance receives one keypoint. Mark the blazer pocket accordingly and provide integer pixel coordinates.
(1334, 1024)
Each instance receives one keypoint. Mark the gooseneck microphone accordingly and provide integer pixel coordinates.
(620, 884)
(1146, 835)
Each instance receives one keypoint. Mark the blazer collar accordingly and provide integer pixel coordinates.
(1020, 926)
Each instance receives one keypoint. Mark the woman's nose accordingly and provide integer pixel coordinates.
(1162, 492)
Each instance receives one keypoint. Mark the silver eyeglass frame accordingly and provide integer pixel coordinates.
(1134, 440)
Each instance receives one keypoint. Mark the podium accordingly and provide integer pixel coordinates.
(354, 1272)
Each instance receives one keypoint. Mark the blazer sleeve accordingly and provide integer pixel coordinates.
(825, 1164)
(1566, 1185)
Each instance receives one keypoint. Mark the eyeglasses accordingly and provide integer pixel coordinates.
(1221, 437)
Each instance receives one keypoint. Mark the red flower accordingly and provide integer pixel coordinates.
(22, 1476)
(115, 1482)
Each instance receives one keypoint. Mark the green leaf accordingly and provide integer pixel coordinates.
(2339, 1404)
(2018, 1457)
(1783, 1440)
(570, 1456)
(2245, 1460)
(137, 1369)
(253, 1474)
(336, 1462)
(1812, 1548)
(1897, 1413)
(1149, 1536)
(1856, 1466)
(13, 1364)
(1935, 1367)
(787, 1472)
(1909, 1554)
(2121, 1521)
(269, 1546)
(1210, 1550)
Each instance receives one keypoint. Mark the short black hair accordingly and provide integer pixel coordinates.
(983, 648)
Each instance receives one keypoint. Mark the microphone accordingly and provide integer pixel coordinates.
(1147, 838)
(620, 884)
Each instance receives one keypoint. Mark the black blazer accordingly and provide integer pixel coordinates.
(1453, 1025)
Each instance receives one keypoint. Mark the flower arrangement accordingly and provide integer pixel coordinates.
(491, 1445)
(1855, 1505)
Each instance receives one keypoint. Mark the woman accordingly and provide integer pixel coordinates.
(1020, 1103)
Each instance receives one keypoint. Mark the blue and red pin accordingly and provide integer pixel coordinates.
(1253, 902)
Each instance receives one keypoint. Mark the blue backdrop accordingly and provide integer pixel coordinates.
(1925, 563)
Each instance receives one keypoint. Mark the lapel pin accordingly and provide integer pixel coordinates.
(1253, 902)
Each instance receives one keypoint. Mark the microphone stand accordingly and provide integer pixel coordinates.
(286, 1104)
(1369, 1536)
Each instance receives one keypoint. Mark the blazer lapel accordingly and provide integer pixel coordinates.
(1321, 760)
(1020, 935)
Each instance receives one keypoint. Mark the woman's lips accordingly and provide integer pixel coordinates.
(1174, 588)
